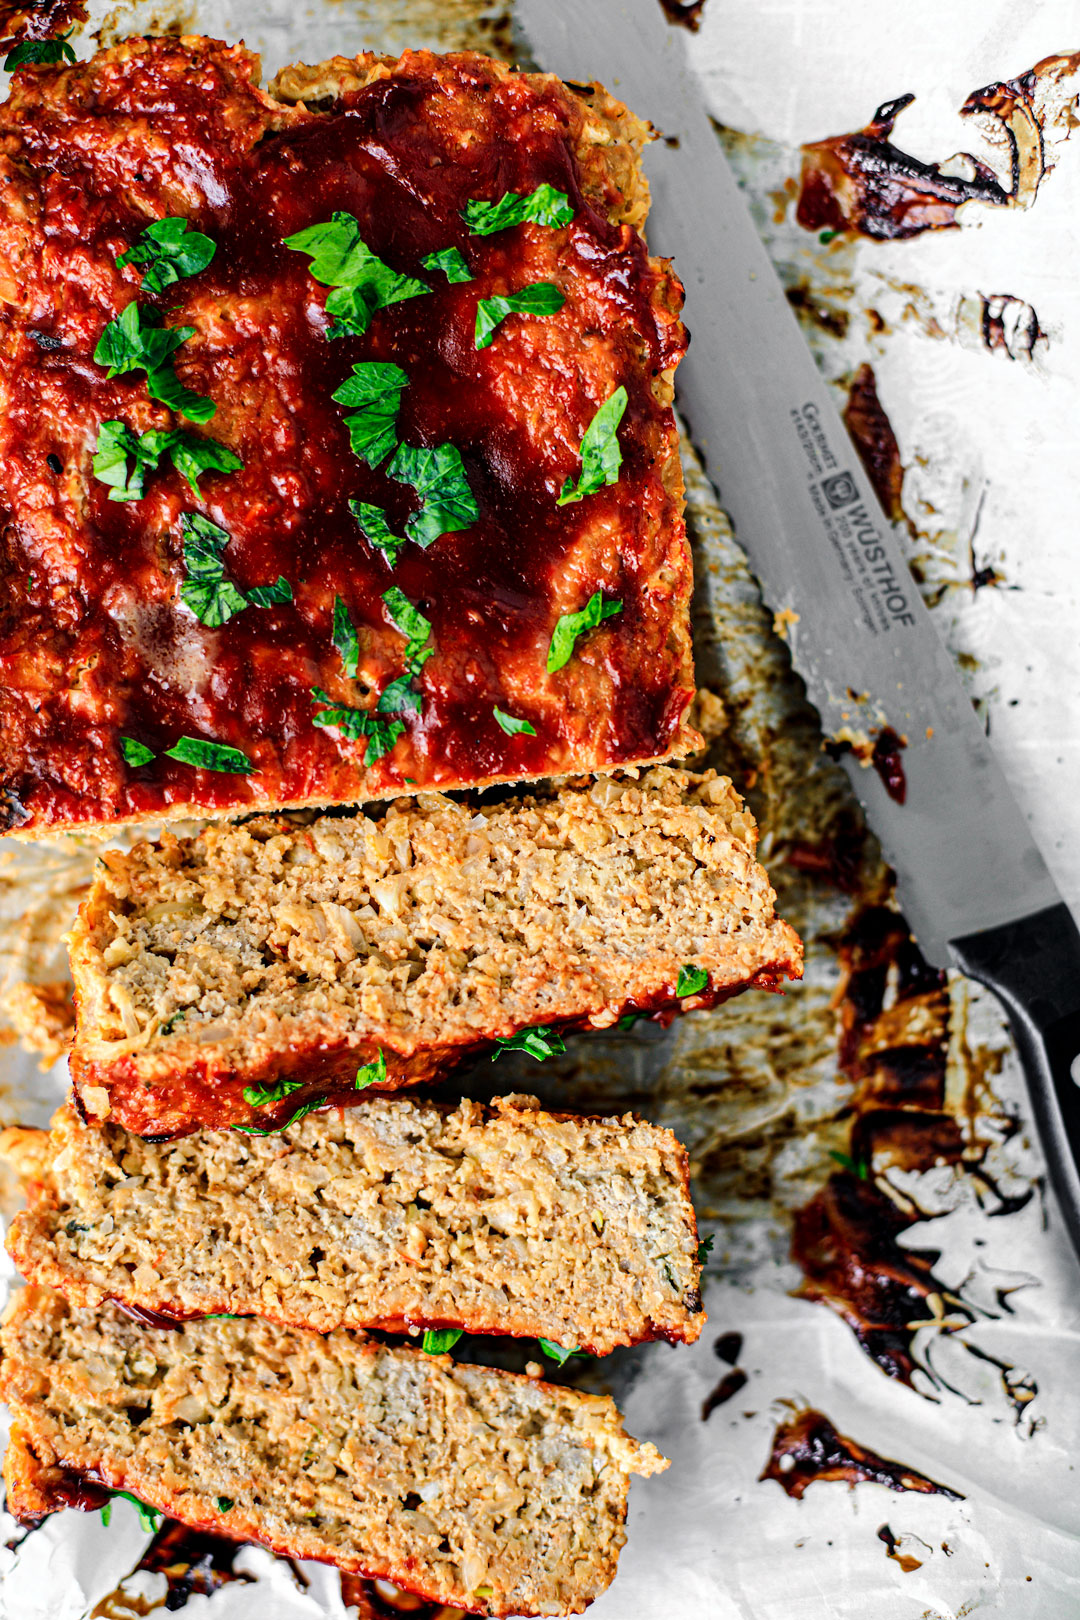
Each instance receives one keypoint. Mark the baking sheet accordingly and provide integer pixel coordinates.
(760, 1090)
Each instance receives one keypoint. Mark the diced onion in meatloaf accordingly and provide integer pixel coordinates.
(481, 1489)
(234, 977)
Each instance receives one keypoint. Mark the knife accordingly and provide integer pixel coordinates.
(971, 883)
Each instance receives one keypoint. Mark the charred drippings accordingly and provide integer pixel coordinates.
(194, 1563)
(728, 1347)
(887, 761)
(38, 19)
(729, 1385)
(874, 439)
(906, 1561)
(808, 1448)
(1011, 325)
(381, 1600)
(685, 13)
(837, 859)
(805, 303)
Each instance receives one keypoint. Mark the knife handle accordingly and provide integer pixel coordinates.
(1033, 967)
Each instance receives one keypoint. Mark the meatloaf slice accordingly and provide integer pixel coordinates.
(239, 976)
(395, 1214)
(484, 1490)
(330, 588)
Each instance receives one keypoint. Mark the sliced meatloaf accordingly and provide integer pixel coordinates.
(484, 1490)
(395, 1214)
(239, 976)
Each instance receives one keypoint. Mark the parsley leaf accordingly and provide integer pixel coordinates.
(376, 530)
(259, 1096)
(451, 262)
(356, 723)
(270, 595)
(149, 1517)
(191, 455)
(275, 1130)
(209, 756)
(223, 1503)
(169, 250)
(560, 1353)
(211, 597)
(134, 342)
(346, 639)
(362, 282)
(410, 621)
(135, 753)
(437, 1341)
(704, 1249)
(372, 1074)
(40, 50)
(628, 1020)
(541, 298)
(858, 1167)
(376, 389)
(691, 980)
(511, 724)
(601, 456)
(438, 477)
(544, 206)
(573, 625)
(540, 1042)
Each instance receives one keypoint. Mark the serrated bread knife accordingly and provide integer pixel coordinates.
(971, 882)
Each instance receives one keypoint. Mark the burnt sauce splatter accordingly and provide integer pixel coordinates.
(729, 1385)
(686, 13)
(808, 1448)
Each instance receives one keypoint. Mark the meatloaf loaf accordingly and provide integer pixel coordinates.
(395, 1214)
(240, 976)
(336, 445)
(480, 1489)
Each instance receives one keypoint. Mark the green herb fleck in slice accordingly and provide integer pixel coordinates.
(209, 756)
(169, 250)
(572, 625)
(260, 1096)
(437, 1341)
(438, 477)
(540, 1042)
(450, 261)
(346, 639)
(270, 595)
(511, 724)
(40, 50)
(560, 1353)
(357, 723)
(376, 530)
(362, 282)
(135, 753)
(211, 597)
(601, 456)
(858, 1167)
(372, 1074)
(375, 388)
(542, 298)
(544, 206)
(691, 980)
(223, 1503)
(276, 1130)
(149, 1517)
(628, 1020)
(704, 1249)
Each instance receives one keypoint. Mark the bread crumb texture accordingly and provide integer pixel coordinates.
(288, 946)
(485, 1490)
(393, 1214)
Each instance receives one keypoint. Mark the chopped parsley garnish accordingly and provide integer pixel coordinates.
(149, 1517)
(540, 1042)
(169, 250)
(353, 724)
(438, 477)
(601, 456)
(437, 1341)
(190, 454)
(260, 1096)
(135, 753)
(375, 389)
(40, 50)
(362, 282)
(560, 1353)
(410, 621)
(544, 206)
(209, 756)
(346, 639)
(628, 1020)
(572, 625)
(691, 980)
(858, 1167)
(206, 591)
(134, 342)
(511, 724)
(275, 1130)
(704, 1249)
(223, 1503)
(376, 530)
(542, 298)
(451, 262)
(372, 1074)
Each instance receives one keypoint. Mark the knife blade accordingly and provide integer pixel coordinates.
(971, 882)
